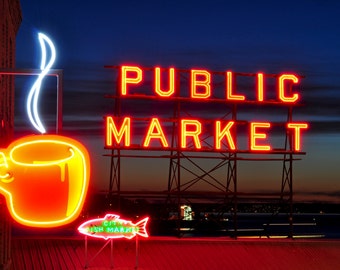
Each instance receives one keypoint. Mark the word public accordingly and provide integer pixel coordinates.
(201, 84)
(118, 129)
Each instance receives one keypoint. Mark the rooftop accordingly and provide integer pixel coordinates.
(174, 253)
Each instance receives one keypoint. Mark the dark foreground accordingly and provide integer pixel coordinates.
(174, 253)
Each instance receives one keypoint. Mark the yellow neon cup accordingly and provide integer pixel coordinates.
(44, 179)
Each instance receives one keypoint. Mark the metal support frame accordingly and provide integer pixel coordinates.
(287, 174)
(58, 73)
(88, 261)
(114, 183)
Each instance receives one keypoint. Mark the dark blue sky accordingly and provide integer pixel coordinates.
(244, 36)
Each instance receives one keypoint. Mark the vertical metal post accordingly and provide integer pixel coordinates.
(178, 170)
(287, 174)
(86, 261)
(235, 198)
(59, 124)
(235, 180)
(291, 231)
(111, 254)
(137, 252)
(115, 166)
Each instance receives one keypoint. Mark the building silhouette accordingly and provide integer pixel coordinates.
(10, 20)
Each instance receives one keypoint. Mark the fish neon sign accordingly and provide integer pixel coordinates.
(111, 226)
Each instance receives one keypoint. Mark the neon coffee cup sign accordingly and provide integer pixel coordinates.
(44, 178)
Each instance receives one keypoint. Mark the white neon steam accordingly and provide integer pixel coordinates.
(33, 96)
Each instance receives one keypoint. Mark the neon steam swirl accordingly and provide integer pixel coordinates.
(33, 96)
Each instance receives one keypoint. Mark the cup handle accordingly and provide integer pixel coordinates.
(5, 176)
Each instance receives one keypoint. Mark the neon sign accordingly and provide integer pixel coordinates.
(44, 178)
(201, 86)
(111, 226)
(192, 129)
(134, 82)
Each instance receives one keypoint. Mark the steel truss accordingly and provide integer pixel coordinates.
(181, 189)
(58, 73)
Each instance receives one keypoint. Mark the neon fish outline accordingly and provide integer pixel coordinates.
(33, 95)
(111, 226)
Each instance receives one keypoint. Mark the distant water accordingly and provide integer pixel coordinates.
(308, 225)
(315, 225)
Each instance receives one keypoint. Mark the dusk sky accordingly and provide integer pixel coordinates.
(302, 37)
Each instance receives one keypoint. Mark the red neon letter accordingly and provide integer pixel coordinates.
(158, 89)
(260, 87)
(125, 80)
(194, 133)
(155, 132)
(229, 88)
(297, 136)
(255, 135)
(205, 83)
(282, 80)
(111, 129)
(224, 133)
